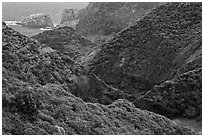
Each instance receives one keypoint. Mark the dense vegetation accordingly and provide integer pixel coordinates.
(163, 45)
(179, 98)
(104, 18)
(153, 65)
(144, 55)
(37, 97)
(65, 39)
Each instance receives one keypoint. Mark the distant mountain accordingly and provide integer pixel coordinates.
(19, 10)
(103, 19)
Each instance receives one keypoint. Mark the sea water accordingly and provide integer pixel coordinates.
(23, 30)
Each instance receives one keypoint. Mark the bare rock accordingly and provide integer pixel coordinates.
(69, 15)
(40, 20)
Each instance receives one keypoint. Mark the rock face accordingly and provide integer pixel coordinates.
(106, 18)
(38, 84)
(40, 20)
(65, 39)
(70, 17)
(166, 44)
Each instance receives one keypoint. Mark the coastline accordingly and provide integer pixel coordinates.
(25, 30)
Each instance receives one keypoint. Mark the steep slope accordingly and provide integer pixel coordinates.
(38, 84)
(102, 19)
(164, 42)
(164, 45)
(65, 39)
(179, 98)
(31, 62)
(61, 113)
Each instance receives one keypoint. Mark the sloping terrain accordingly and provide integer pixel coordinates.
(165, 42)
(31, 62)
(179, 98)
(65, 39)
(164, 45)
(38, 84)
(103, 19)
(58, 112)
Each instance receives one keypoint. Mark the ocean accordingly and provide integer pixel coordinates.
(23, 30)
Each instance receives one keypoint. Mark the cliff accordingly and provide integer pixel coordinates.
(71, 17)
(40, 20)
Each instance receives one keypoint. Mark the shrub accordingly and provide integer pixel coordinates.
(27, 103)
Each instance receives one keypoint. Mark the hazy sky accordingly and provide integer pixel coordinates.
(20, 10)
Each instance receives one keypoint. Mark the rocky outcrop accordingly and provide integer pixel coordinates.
(40, 20)
(107, 18)
(71, 17)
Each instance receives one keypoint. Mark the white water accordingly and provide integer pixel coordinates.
(9, 23)
(25, 30)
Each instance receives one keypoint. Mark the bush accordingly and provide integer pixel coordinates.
(27, 103)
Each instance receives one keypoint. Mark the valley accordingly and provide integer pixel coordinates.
(107, 69)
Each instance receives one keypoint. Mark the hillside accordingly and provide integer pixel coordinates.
(164, 45)
(179, 98)
(27, 60)
(103, 19)
(145, 80)
(65, 39)
(40, 95)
